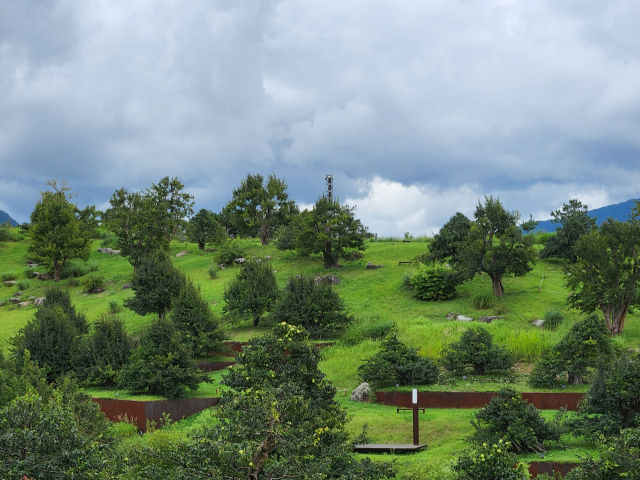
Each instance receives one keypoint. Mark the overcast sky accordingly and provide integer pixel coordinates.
(418, 108)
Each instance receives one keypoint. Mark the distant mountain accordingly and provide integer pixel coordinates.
(4, 217)
(619, 211)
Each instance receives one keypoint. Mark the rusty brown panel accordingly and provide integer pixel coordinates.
(538, 468)
(536, 399)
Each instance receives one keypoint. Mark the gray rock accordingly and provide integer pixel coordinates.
(258, 260)
(275, 271)
(44, 276)
(371, 266)
(32, 265)
(462, 318)
(126, 286)
(267, 257)
(361, 393)
(331, 278)
(222, 266)
(39, 301)
(451, 315)
(181, 254)
(17, 294)
(489, 318)
(240, 260)
(14, 300)
(538, 323)
(108, 251)
(24, 304)
(96, 290)
(9, 283)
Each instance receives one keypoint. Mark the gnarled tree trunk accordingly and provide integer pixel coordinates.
(498, 289)
(615, 318)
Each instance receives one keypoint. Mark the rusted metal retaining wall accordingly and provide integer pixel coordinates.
(142, 411)
(542, 401)
(537, 468)
(236, 347)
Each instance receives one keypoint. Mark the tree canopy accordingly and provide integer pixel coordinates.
(252, 292)
(451, 238)
(574, 221)
(204, 228)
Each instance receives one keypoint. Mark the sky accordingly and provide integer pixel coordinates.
(417, 108)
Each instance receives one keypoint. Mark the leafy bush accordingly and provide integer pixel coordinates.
(108, 239)
(315, 306)
(483, 301)
(368, 328)
(397, 363)
(285, 238)
(252, 292)
(93, 266)
(124, 428)
(476, 351)
(23, 285)
(490, 462)
(74, 269)
(574, 356)
(553, 319)
(433, 282)
(114, 306)
(62, 298)
(73, 282)
(229, 251)
(507, 416)
(29, 273)
(213, 271)
(94, 282)
(161, 365)
(8, 276)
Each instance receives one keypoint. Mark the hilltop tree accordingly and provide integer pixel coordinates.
(203, 228)
(496, 245)
(451, 238)
(57, 234)
(606, 274)
(574, 222)
(330, 229)
(258, 209)
(252, 292)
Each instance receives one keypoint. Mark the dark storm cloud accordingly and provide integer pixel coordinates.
(417, 108)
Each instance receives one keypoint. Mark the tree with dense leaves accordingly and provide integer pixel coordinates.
(330, 229)
(490, 462)
(253, 291)
(5, 228)
(496, 245)
(278, 420)
(316, 306)
(451, 238)
(156, 284)
(200, 329)
(574, 221)
(161, 364)
(475, 350)
(606, 274)
(258, 208)
(574, 356)
(57, 234)
(203, 228)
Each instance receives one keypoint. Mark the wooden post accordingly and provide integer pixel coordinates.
(416, 432)
(540, 283)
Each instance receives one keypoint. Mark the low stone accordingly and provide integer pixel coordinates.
(451, 315)
(32, 265)
(24, 304)
(489, 319)
(361, 393)
(14, 300)
(538, 323)
(126, 286)
(275, 271)
(240, 260)
(17, 294)
(371, 266)
(331, 278)
(109, 251)
(222, 266)
(39, 301)
(96, 290)
(258, 260)
(44, 276)
(9, 283)
(181, 254)
(462, 318)
(267, 257)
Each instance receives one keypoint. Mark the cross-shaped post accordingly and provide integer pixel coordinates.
(414, 401)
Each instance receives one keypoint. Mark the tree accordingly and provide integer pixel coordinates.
(57, 234)
(397, 363)
(606, 274)
(312, 305)
(5, 228)
(203, 228)
(574, 222)
(451, 238)
(330, 229)
(173, 204)
(573, 357)
(192, 316)
(258, 209)
(89, 218)
(433, 282)
(490, 462)
(252, 292)
(161, 365)
(496, 245)
(476, 350)
(278, 420)
(156, 284)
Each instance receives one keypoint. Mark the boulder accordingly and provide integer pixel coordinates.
(331, 278)
(222, 266)
(240, 260)
(96, 290)
(24, 304)
(361, 393)
(10, 283)
(32, 265)
(267, 257)
(181, 254)
(17, 294)
(109, 251)
(126, 286)
(538, 323)
(14, 300)
(39, 301)
(489, 318)
(462, 318)
(44, 276)
(451, 315)
(371, 266)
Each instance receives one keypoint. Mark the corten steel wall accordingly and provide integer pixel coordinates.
(153, 409)
(236, 347)
(542, 401)
(537, 468)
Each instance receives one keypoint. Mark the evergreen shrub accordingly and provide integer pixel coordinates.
(483, 301)
(553, 319)
(476, 351)
(433, 282)
(490, 462)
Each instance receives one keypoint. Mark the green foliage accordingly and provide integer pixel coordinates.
(161, 364)
(156, 283)
(433, 282)
(396, 363)
(8, 276)
(450, 240)
(104, 353)
(213, 271)
(553, 319)
(73, 269)
(229, 251)
(23, 285)
(203, 228)
(94, 282)
(193, 318)
(574, 222)
(114, 306)
(330, 229)
(315, 306)
(574, 356)
(258, 209)
(476, 350)
(29, 273)
(62, 298)
(93, 266)
(490, 462)
(57, 233)
(19, 375)
(252, 292)
(496, 245)
(5, 229)
(367, 328)
(606, 274)
(483, 301)
(507, 416)
(285, 238)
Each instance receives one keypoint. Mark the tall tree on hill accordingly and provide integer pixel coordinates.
(203, 228)
(574, 222)
(448, 242)
(57, 234)
(257, 209)
(496, 245)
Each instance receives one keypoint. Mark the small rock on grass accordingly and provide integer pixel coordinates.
(361, 393)
(489, 319)
(462, 318)
(451, 315)
(538, 323)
